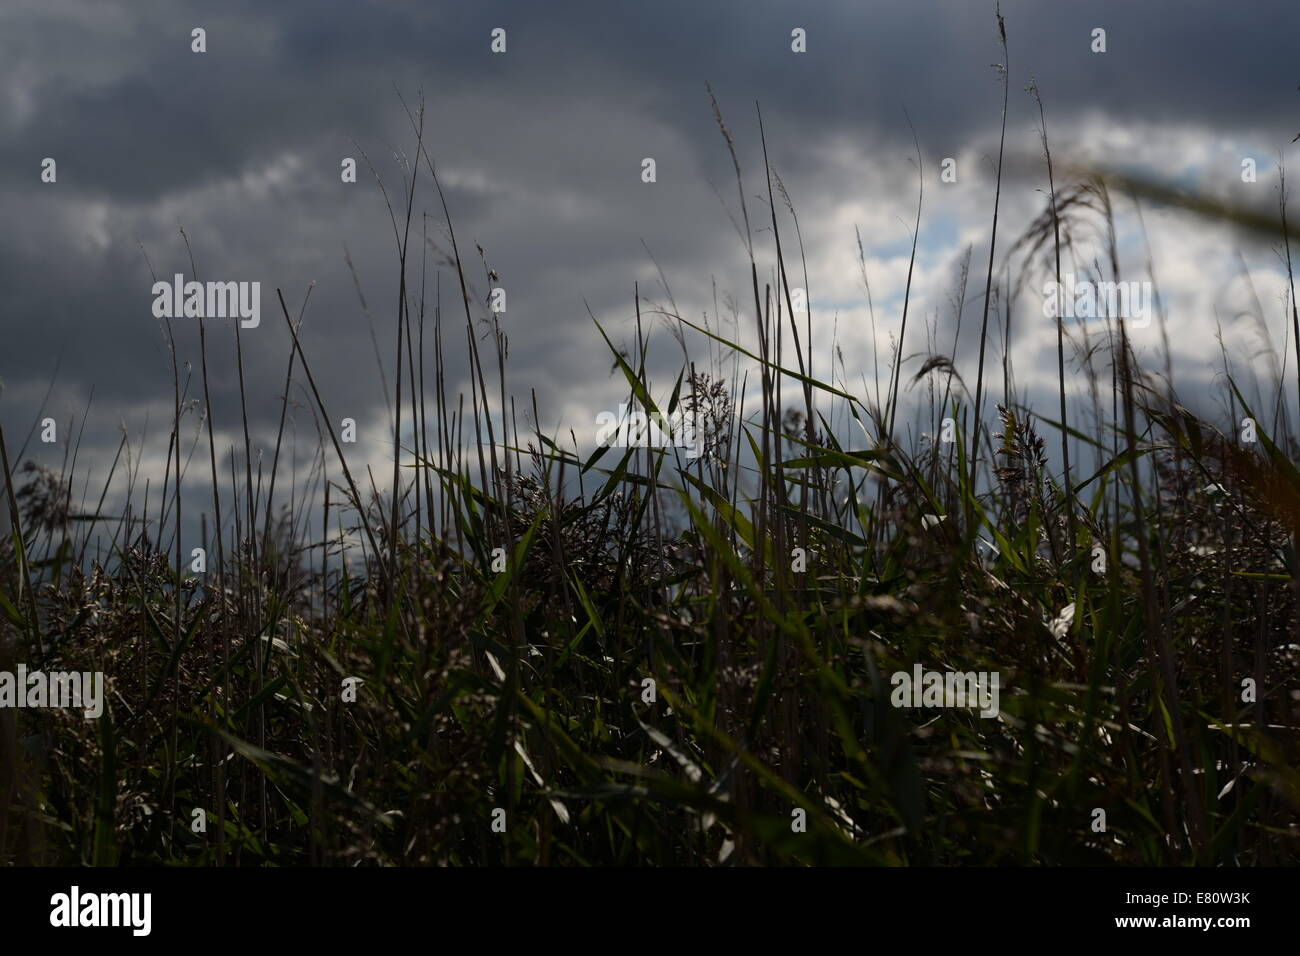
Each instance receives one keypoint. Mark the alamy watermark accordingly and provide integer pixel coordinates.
(208, 300)
(75, 908)
(635, 429)
(1083, 299)
(922, 688)
(36, 689)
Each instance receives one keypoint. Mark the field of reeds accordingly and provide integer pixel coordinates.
(513, 649)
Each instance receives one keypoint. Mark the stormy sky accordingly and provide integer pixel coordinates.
(539, 151)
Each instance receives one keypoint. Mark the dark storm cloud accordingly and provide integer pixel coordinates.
(539, 150)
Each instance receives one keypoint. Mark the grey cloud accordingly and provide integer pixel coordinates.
(540, 154)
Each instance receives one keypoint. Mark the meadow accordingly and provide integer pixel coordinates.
(517, 650)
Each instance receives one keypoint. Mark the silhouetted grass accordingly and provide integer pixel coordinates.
(508, 599)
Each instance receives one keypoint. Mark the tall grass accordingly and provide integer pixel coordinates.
(621, 648)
